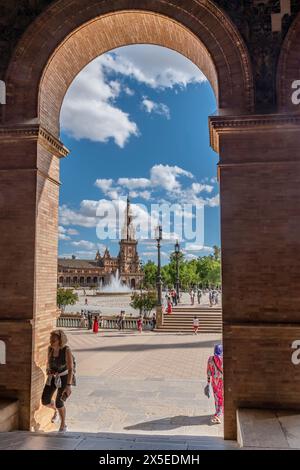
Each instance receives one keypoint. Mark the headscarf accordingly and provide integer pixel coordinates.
(218, 350)
(218, 356)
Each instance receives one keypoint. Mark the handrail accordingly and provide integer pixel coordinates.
(106, 323)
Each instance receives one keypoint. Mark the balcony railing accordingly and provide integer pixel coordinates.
(105, 324)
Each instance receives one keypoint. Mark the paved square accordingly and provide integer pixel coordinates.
(149, 383)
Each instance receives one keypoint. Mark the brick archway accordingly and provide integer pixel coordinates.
(53, 51)
(288, 69)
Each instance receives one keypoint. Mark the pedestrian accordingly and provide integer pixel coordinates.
(169, 307)
(199, 295)
(119, 320)
(95, 325)
(153, 321)
(196, 325)
(90, 321)
(215, 379)
(86, 302)
(60, 377)
(210, 297)
(123, 317)
(140, 324)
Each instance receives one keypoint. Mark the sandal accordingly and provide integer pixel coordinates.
(215, 420)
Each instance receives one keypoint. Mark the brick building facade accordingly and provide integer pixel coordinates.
(95, 273)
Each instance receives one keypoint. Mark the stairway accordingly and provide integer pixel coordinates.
(181, 320)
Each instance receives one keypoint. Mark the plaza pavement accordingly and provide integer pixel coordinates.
(134, 392)
(145, 383)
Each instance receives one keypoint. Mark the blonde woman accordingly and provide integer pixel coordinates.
(59, 376)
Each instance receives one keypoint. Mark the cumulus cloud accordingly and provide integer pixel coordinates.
(144, 64)
(65, 234)
(84, 244)
(134, 183)
(165, 176)
(156, 108)
(213, 201)
(81, 218)
(198, 247)
(89, 112)
(89, 109)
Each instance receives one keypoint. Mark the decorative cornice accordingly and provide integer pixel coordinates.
(219, 125)
(35, 132)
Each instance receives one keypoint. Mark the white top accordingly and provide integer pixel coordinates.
(196, 321)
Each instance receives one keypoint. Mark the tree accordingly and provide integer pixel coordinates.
(144, 302)
(66, 297)
(150, 274)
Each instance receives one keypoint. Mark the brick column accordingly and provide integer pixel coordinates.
(260, 232)
(29, 190)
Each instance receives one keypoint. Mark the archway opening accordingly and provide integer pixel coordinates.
(135, 121)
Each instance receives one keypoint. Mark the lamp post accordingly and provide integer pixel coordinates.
(159, 281)
(141, 266)
(177, 253)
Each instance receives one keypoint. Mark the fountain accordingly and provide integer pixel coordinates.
(115, 287)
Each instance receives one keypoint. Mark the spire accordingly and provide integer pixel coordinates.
(128, 232)
(98, 256)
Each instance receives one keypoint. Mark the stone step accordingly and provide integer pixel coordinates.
(268, 429)
(110, 441)
(9, 415)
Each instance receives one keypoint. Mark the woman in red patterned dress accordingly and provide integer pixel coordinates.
(215, 378)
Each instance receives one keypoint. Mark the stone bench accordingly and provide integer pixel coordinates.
(9, 415)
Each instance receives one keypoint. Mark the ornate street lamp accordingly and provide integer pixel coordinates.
(141, 267)
(177, 254)
(158, 236)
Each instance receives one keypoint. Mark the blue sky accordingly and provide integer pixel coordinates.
(135, 121)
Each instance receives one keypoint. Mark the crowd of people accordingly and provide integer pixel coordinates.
(198, 293)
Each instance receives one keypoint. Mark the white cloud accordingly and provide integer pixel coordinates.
(141, 194)
(84, 244)
(88, 110)
(134, 183)
(155, 66)
(157, 108)
(65, 234)
(165, 176)
(104, 184)
(200, 188)
(129, 91)
(197, 247)
(68, 216)
(214, 201)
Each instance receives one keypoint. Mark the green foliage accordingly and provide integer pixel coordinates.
(150, 274)
(144, 302)
(66, 297)
(204, 271)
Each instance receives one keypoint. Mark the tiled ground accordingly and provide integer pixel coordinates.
(146, 383)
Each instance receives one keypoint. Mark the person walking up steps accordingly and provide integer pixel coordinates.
(60, 376)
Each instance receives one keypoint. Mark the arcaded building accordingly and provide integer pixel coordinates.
(95, 273)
